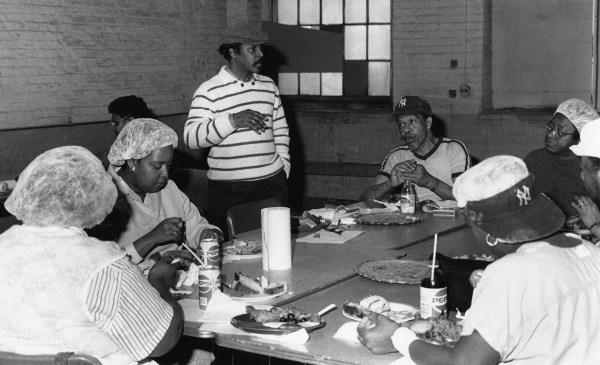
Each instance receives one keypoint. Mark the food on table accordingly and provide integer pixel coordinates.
(243, 286)
(478, 257)
(439, 331)
(354, 309)
(394, 271)
(389, 218)
(241, 246)
(288, 315)
(308, 221)
(377, 304)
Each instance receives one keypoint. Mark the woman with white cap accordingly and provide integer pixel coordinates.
(65, 291)
(536, 305)
(589, 152)
(150, 211)
(555, 167)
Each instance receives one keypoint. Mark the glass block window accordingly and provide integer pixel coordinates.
(364, 28)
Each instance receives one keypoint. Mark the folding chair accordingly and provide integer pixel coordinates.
(62, 358)
(246, 217)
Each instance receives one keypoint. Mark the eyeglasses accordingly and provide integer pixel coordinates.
(123, 120)
(550, 129)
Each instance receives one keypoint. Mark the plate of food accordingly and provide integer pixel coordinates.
(243, 249)
(247, 289)
(394, 271)
(277, 320)
(438, 331)
(397, 312)
(389, 218)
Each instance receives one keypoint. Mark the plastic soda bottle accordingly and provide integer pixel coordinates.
(434, 295)
(408, 197)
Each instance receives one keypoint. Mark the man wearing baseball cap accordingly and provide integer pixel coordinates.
(556, 167)
(431, 163)
(537, 304)
(238, 114)
(589, 151)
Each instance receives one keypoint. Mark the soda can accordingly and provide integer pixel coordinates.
(209, 281)
(209, 252)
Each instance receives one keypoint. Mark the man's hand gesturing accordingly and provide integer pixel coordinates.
(250, 119)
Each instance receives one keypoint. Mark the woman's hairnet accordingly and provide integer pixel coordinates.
(578, 112)
(139, 138)
(65, 186)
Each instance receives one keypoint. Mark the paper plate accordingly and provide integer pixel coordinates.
(257, 298)
(244, 323)
(396, 307)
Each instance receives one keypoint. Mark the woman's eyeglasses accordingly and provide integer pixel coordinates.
(551, 129)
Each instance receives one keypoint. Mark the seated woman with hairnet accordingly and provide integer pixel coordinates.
(536, 305)
(151, 215)
(65, 291)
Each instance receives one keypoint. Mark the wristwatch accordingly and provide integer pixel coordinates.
(594, 225)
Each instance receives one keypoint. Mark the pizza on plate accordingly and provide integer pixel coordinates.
(389, 218)
(394, 271)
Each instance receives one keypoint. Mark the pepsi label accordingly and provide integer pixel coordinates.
(433, 302)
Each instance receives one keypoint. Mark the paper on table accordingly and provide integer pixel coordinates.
(325, 236)
(298, 337)
(348, 332)
(325, 213)
(221, 309)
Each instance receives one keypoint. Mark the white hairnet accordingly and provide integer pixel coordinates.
(578, 112)
(65, 186)
(488, 178)
(590, 141)
(139, 138)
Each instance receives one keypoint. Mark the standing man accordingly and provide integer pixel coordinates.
(431, 163)
(238, 114)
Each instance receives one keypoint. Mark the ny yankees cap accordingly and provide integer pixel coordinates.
(500, 197)
(412, 105)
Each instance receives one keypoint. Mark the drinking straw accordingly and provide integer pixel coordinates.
(434, 251)
(194, 254)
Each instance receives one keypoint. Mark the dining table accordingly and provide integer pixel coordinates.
(324, 273)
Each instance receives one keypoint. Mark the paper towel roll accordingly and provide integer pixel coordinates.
(276, 238)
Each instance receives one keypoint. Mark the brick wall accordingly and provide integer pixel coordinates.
(427, 35)
(64, 61)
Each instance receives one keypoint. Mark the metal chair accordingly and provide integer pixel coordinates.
(62, 358)
(246, 217)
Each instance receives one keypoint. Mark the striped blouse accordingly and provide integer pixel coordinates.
(238, 154)
(70, 292)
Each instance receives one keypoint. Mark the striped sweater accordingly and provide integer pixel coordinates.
(238, 154)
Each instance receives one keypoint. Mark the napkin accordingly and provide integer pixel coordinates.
(348, 332)
(222, 308)
(325, 236)
(334, 214)
(298, 337)
(325, 213)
